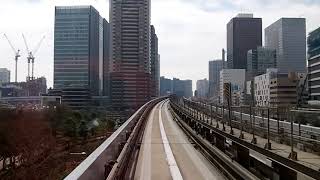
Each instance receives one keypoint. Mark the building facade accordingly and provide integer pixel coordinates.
(237, 79)
(314, 64)
(130, 53)
(259, 60)
(165, 86)
(182, 88)
(74, 97)
(79, 51)
(34, 87)
(155, 64)
(283, 90)
(4, 75)
(214, 77)
(288, 37)
(106, 59)
(202, 88)
(262, 88)
(243, 33)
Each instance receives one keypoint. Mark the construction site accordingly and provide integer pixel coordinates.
(24, 92)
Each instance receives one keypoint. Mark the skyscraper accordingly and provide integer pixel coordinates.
(203, 88)
(155, 65)
(214, 77)
(314, 64)
(79, 55)
(288, 37)
(106, 58)
(243, 33)
(130, 53)
(259, 60)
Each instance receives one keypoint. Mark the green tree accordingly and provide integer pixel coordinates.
(70, 127)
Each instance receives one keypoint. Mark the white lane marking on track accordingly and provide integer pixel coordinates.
(174, 169)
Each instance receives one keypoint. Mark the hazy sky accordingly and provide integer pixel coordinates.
(190, 32)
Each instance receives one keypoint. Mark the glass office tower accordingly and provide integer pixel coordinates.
(244, 32)
(79, 56)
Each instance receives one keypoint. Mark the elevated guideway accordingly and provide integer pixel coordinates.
(167, 153)
(168, 138)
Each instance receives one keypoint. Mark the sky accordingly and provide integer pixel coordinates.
(190, 32)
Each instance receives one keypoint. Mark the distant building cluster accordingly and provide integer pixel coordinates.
(271, 75)
(117, 64)
(23, 93)
(182, 88)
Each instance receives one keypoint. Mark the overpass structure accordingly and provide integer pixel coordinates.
(171, 138)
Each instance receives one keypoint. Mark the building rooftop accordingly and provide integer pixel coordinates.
(244, 15)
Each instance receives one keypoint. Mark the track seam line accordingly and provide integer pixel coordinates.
(174, 169)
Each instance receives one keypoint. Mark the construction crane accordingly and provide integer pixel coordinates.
(31, 56)
(16, 57)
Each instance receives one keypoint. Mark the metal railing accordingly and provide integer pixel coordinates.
(99, 163)
(195, 115)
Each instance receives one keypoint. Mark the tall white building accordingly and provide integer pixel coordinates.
(237, 79)
(4, 75)
(288, 37)
(262, 88)
(203, 88)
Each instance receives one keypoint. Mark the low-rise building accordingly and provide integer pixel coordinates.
(4, 75)
(262, 88)
(34, 87)
(74, 97)
(283, 90)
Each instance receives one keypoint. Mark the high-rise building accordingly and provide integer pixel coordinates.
(106, 58)
(155, 64)
(214, 77)
(4, 75)
(243, 33)
(259, 60)
(165, 86)
(202, 88)
(79, 51)
(288, 37)
(182, 87)
(237, 79)
(314, 64)
(130, 53)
